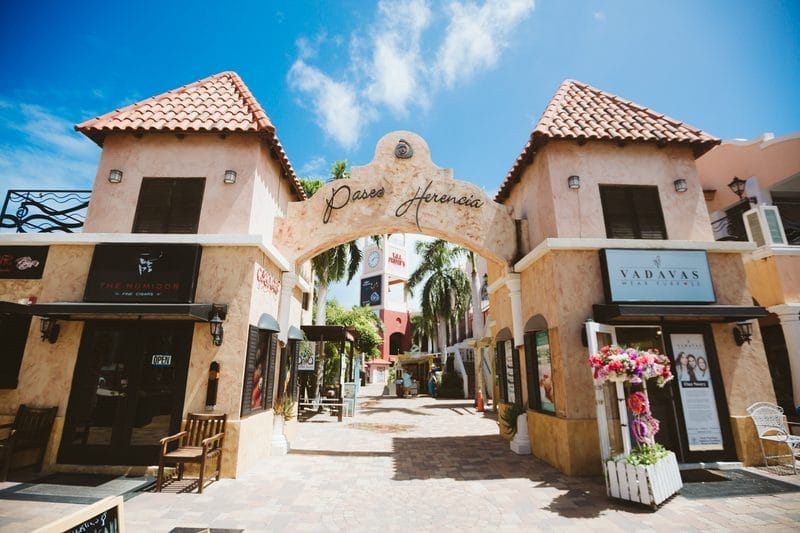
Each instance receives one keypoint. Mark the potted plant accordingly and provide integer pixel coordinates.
(649, 473)
(283, 411)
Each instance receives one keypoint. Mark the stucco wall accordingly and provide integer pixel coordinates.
(770, 160)
(775, 280)
(554, 210)
(227, 208)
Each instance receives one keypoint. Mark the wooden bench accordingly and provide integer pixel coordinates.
(202, 439)
(29, 431)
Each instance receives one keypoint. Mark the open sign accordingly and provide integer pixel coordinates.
(161, 359)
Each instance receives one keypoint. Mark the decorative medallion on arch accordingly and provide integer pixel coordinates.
(400, 191)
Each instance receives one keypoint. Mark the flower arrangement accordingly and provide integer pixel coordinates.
(613, 363)
(629, 365)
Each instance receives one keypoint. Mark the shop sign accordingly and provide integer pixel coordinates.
(161, 359)
(664, 276)
(692, 371)
(22, 262)
(371, 291)
(144, 273)
(306, 356)
(267, 282)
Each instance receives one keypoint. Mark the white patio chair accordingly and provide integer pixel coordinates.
(771, 427)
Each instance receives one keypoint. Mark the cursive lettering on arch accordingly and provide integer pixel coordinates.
(437, 198)
(342, 195)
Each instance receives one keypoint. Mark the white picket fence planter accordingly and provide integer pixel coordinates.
(650, 484)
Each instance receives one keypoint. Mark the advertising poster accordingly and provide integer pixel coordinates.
(693, 374)
(371, 291)
(305, 356)
(512, 394)
(545, 372)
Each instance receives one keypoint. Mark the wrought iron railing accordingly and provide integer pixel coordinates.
(44, 211)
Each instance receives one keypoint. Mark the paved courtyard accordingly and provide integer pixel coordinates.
(433, 465)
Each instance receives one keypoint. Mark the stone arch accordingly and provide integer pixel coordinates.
(536, 323)
(399, 191)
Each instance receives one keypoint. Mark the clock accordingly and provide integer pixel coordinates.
(372, 259)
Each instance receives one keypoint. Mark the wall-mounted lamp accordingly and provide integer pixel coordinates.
(737, 185)
(114, 175)
(742, 332)
(574, 182)
(680, 185)
(49, 329)
(218, 314)
(230, 176)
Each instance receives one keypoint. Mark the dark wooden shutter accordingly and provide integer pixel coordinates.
(500, 370)
(251, 360)
(632, 212)
(169, 205)
(270, 370)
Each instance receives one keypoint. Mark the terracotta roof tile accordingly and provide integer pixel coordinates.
(221, 103)
(581, 112)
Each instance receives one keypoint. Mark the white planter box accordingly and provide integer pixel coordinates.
(650, 485)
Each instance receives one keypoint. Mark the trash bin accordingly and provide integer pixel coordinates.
(400, 388)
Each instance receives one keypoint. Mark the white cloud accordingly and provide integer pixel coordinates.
(476, 35)
(336, 104)
(599, 15)
(388, 69)
(314, 167)
(52, 156)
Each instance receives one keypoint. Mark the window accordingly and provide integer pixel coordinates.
(259, 372)
(540, 372)
(13, 336)
(632, 212)
(507, 372)
(169, 205)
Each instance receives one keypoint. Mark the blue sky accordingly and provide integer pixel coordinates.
(471, 77)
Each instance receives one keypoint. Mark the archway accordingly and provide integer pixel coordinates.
(399, 191)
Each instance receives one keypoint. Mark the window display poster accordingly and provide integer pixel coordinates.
(512, 393)
(546, 402)
(692, 372)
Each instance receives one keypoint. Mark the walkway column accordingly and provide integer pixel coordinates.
(789, 315)
(288, 282)
(515, 293)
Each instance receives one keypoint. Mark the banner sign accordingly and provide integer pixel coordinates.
(306, 356)
(510, 383)
(143, 273)
(692, 372)
(663, 276)
(371, 291)
(22, 262)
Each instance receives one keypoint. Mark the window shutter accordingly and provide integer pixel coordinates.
(632, 212)
(270, 370)
(251, 360)
(647, 207)
(169, 205)
(616, 213)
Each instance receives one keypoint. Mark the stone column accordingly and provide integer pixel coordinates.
(515, 293)
(288, 282)
(789, 315)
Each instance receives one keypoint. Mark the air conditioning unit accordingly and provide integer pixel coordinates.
(764, 226)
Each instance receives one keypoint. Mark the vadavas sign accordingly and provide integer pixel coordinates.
(400, 191)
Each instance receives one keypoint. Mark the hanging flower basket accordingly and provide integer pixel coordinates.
(648, 474)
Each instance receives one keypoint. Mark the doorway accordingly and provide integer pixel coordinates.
(691, 409)
(127, 391)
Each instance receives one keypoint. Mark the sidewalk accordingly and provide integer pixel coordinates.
(423, 464)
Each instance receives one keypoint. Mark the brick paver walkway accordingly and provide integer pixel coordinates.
(432, 465)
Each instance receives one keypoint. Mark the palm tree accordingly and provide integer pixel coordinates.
(446, 288)
(424, 328)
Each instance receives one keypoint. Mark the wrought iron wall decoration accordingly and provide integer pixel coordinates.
(44, 211)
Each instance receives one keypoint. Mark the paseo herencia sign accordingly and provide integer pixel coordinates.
(665, 276)
(143, 273)
(343, 195)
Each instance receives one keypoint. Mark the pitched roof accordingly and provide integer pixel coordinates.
(221, 103)
(581, 112)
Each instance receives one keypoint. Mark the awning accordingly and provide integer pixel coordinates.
(14, 308)
(108, 311)
(327, 333)
(295, 334)
(267, 322)
(622, 313)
